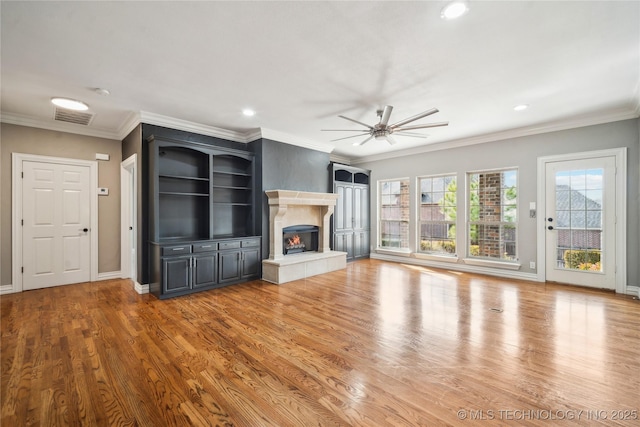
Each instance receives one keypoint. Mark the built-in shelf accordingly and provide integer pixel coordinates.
(176, 193)
(192, 178)
(229, 187)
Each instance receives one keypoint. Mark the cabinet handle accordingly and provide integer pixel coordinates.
(177, 249)
(207, 246)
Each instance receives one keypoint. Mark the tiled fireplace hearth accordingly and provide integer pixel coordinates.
(291, 208)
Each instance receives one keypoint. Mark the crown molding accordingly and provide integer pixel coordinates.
(294, 140)
(339, 159)
(554, 126)
(133, 120)
(20, 120)
(187, 126)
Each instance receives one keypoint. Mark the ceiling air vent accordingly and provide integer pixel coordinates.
(76, 117)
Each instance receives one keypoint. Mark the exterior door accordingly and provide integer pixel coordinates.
(580, 222)
(56, 210)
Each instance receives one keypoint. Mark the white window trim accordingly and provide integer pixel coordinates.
(483, 260)
(434, 256)
(379, 247)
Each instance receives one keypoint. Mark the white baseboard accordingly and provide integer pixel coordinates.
(141, 289)
(108, 275)
(6, 289)
(633, 290)
(457, 267)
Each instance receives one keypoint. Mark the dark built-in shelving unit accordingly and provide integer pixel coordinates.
(201, 222)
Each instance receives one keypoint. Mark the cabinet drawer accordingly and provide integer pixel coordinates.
(205, 247)
(235, 244)
(176, 250)
(250, 243)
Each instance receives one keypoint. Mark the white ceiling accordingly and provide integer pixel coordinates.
(300, 64)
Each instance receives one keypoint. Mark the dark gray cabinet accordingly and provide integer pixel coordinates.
(201, 217)
(350, 222)
(239, 260)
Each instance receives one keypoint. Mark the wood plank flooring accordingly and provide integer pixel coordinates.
(376, 344)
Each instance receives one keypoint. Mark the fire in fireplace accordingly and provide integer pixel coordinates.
(299, 238)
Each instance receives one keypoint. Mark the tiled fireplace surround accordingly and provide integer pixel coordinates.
(287, 208)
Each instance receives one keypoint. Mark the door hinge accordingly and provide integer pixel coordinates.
(22, 222)
(21, 174)
(22, 269)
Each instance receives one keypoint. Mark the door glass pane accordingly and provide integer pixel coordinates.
(578, 219)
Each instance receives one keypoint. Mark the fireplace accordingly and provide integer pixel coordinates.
(299, 238)
(304, 218)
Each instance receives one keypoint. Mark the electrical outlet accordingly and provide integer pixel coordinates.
(532, 265)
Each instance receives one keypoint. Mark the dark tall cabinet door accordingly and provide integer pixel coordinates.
(350, 223)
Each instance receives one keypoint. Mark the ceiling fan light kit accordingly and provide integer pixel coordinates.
(382, 130)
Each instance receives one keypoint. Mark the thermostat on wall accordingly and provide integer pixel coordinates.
(103, 191)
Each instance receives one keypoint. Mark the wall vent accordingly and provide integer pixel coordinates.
(77, 117)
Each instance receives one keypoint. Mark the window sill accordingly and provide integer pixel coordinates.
(397, 252)
(495, 264)
(433, 257)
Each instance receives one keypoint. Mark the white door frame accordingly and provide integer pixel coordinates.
(620, 155)
(128, 210)
(16, 211)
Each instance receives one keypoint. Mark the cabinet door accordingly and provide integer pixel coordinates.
(361, 244)
(343, 212)
(176, 274)
(360, 207)
(204, 270)
(228, 266)
(250, 263)
(343, 242)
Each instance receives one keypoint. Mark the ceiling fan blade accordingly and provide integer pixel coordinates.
(391, 140)
(411, 134)
(386, 113)
(411, 119)
(430, 125)
(344, 130)
(355, 121)
(363, 142)
(347, 137)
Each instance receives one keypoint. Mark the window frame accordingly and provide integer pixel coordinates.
(419, 221)
(380, 220)
(477, 259)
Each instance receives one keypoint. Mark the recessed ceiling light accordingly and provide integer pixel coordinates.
(248, 112)
(521, 107)
(454, 10)
(70, 104)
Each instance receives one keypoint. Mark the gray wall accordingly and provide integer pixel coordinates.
(282, 166)
(27, 140)
(523, 153)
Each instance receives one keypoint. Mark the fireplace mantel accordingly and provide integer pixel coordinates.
(287, 208)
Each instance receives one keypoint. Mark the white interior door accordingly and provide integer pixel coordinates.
(580, 242)
(56, 212)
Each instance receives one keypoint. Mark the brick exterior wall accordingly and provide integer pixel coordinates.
(489, 192)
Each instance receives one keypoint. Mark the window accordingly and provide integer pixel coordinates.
(394, 214)
(437, 214)
(492, 214)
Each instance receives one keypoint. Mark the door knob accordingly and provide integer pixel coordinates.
(84, 229)
(550, 219)
(550, 227)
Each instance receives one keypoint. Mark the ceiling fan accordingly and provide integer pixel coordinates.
(382, 130)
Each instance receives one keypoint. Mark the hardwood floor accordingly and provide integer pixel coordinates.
(377, 344)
